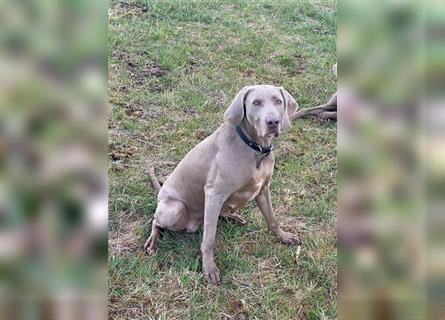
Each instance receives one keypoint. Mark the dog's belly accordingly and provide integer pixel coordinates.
(240, 197)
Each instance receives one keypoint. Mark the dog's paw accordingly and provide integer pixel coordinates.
(211, 273)
(235, 219)
(288, 238)
(150, 245)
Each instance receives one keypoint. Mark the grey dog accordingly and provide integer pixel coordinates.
(230, 167)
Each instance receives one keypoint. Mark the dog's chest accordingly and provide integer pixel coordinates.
(249, 190)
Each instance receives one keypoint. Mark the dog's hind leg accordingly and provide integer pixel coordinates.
(170, 214)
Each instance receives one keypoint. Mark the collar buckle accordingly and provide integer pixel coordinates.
(251, 144)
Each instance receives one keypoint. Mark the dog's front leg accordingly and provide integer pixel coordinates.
(265, 205)
(213, 204)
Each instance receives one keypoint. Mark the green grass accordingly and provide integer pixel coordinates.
(173, 69)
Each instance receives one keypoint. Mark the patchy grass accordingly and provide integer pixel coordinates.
(173, 69)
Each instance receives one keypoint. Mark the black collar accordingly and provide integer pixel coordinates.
(255, 146)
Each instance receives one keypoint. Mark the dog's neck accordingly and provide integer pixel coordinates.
(252, 134)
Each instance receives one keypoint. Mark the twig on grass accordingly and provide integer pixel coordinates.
(297, 253)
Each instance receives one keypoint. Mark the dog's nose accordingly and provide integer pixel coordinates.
(272, 121)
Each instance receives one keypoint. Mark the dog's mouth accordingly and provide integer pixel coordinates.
(267, 132)
(271, 133)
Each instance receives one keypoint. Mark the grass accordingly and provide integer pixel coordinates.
(173, 69)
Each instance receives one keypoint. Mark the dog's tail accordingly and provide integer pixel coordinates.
(154, 181)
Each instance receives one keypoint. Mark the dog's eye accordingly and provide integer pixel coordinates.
(278, 101)
(256, 102)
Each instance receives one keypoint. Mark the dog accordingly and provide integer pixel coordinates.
(229, 168)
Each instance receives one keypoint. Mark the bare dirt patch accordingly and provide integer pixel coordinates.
(218, 100)
(130, 8)
(149, 69)
(138, 72)
(123, 240)
(117, 151)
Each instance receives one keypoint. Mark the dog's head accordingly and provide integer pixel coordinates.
(266, 108)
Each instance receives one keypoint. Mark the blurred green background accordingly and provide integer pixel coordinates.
(53, 198)
(391, 155)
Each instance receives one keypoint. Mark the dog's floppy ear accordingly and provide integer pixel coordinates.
(290, 107)
(235, 112)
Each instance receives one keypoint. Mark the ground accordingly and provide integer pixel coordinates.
(173, 69)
